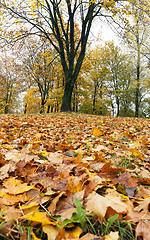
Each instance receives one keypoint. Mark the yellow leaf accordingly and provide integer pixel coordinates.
(8, 147)
(89, 173)
(2, 194)
(137, 144)
(97, 132)
(74, 185)
(31, 207)
(39, 217)
(137, 153)
(76, 232)
(38, 135)
(34, 236)
(44, 154)
(14, 186)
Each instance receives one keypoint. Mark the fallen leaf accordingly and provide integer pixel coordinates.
(34, 236)
(90, 236)
(6, 169)
(97, 132)
(53, 204)
(112, 236)
(14, 186)
(96, 204)
(51, 232)
(38, 217)
(143, 229)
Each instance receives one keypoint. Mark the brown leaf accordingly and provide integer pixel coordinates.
(51, 231)
(96, 204)
(53, 204)
(90, 236)
(143, 229)
(6, 169)
(5, 229)
(127, 180)
(66, 206)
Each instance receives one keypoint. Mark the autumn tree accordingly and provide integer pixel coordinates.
(110, 80)
(98, 73)
(43, 72)
(32, 100)
(10, 82)
(40, 71)
(120, 75)
(136, 34)
(56, 20)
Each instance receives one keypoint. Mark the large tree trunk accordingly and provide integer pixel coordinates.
(66, 101)
(48, 108)
(75, 98)
(42, 105)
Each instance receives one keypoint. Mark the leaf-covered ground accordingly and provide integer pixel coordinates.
(74, 176)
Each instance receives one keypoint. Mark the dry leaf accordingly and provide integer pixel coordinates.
(143, 229)
(112, 236)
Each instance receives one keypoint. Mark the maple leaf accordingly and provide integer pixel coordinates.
(14, 186)
(97, 132)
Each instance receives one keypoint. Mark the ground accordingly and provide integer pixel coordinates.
(74, 176)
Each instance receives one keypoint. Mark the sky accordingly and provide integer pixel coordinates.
(101, 33)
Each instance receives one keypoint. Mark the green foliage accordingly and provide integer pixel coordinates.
(80, 213)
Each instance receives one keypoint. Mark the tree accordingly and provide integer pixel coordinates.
(98, 73)
(40, 70)
(56, 21)
(32, 100)
(136, 35)
(119, 77)
(110, 78)
(43, 68)
(10, 82)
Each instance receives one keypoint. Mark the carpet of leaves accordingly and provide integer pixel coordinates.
(48, 161)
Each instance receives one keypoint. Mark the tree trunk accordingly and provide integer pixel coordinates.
(75, 98)
(94, 98)
(137, 91)
(42, 106)
(113, 109)
(74, 102)
(101, 97)
(25, 108)
(6, 109)
(118, 106)
(48, 108)
(66, 101)
(76, 106)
